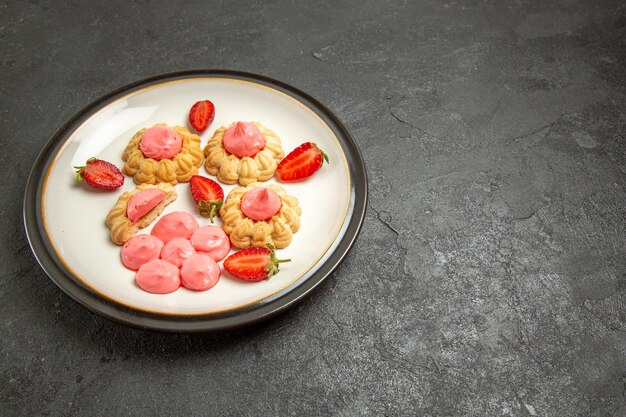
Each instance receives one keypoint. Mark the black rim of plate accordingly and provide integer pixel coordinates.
(97, 303)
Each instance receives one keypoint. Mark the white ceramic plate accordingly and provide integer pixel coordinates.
(65, 219)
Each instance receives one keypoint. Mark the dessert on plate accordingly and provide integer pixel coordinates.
(139, 250)
(158, 277)
(259, 215)
(178, 224)
(212, 241)
(244, 152)
(162, 154)
(136, 209)
(199, 272)
(176, 254)
(177, 250)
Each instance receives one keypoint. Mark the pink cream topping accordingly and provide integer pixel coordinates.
(142, 202)
(175, 224)
(160, 142)
(158, 276)
(177, 250)
(243, 139)
(212, 241)
(200, 273)
(140, 250)
(260, 204)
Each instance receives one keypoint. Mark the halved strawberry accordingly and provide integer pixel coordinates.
(201, 115)
(100, 174)
(301, 163)
(208, 196)
(253, 264)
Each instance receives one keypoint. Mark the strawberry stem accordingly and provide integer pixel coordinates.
(209, 209)
(324, 156)
(80, 169)
(79, 173)
(273, 267)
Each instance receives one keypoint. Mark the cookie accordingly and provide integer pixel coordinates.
(231, 169)
(245, 232)
(122, 228)
(153, 170)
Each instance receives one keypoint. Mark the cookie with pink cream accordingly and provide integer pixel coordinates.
(259, 215)
(136, 209)
(244, 152)
(163, 154)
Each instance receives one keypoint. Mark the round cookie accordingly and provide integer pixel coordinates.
(245, 232)
(231, 169)
(178, 168)
(122, 228)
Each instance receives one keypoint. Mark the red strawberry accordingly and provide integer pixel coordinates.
(301, 163)
(254, 264)
(100, 174)
(208, 196)
(201, 115)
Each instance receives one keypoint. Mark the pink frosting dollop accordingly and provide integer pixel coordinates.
(260, 204)
(212, 241)
(142, 202)
(158, 276)
(175, 224)
(177, 250)
(140, 250)
(243, 139)
(200, 273)
(160, 142)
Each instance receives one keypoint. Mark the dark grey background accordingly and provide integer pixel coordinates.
(489, 275)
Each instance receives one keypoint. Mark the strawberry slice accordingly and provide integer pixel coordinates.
(100, 174)
(301, 163)
(208, 196)
(253, 264)
(201, 115)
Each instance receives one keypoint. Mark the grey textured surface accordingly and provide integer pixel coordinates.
(489, 275)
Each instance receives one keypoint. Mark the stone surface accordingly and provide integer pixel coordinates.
(489, 275)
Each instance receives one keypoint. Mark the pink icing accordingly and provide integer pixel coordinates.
(212, 241)
(200, 273)
(177, 250)
(260, 204)
(243, 139)
(158, 276)
(140, 250)
(160, 142)
(142, 202)
(175, 224)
